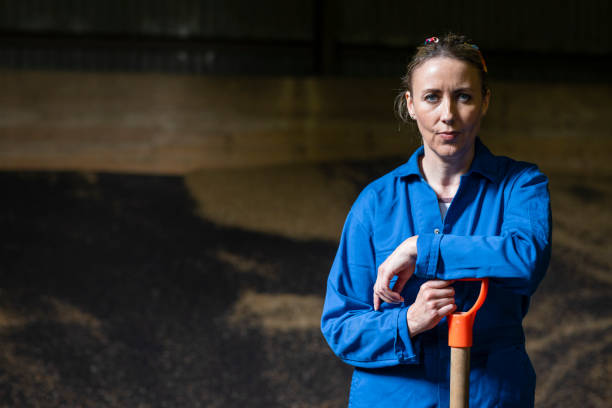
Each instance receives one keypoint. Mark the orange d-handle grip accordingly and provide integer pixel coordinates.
(460, 324)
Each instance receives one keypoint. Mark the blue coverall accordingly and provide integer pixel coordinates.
(498, 226)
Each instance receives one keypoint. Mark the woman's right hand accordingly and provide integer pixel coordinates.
(436, 299)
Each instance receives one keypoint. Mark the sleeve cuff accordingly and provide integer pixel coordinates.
(406, 350)
(428, 251)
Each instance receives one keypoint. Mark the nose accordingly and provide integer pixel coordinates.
(447, 114)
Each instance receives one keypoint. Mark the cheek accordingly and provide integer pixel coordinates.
(471, 115)
(425, 113)
(424, 123)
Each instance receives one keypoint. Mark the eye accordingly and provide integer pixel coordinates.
(464, 97)
(431, 98)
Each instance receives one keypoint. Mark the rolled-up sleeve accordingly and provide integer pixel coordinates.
(518, 256)
(357, 333)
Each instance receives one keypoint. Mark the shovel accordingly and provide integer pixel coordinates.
(460, 341)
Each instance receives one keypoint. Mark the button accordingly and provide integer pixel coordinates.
(436, 231)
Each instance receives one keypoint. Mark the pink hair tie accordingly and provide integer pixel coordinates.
(432, 40)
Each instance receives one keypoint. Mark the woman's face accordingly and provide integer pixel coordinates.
(448, 105)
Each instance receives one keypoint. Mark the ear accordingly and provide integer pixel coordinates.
(409, 104)
(485, 102)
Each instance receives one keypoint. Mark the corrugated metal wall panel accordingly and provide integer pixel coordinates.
(263, 19)
(573, 26)
(288, 37)
(521, 25)
(234, 60)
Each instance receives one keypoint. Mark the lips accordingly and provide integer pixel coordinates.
(448, 135)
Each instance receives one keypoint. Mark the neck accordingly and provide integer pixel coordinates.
(443, 174)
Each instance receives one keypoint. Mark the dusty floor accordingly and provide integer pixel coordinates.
(205, 290)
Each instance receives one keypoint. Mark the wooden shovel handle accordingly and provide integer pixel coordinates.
(460, 377)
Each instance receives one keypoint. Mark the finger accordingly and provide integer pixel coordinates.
(392, 296)
(438, 283)
(439, 304)
(440, 293)
(446, 310)
(384, 277)
(388, 296)
(379, 297)
(376, 302)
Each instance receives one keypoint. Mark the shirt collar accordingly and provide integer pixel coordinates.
(484, 163)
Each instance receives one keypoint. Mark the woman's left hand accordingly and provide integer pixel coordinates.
(401, 264)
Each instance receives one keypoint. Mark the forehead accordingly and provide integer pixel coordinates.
(445, 73)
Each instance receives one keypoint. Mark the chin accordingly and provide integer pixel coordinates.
(447, 151)
(453, 148)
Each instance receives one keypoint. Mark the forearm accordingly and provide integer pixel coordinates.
(517, 257)
(363, 337)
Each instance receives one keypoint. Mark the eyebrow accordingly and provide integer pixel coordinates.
(436, 90)
(430, 90)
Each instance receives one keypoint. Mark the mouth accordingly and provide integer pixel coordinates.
(448, 135)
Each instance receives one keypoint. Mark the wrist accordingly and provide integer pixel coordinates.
(413, 328)
(411, 246)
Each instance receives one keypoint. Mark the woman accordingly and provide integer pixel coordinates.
(453, 211)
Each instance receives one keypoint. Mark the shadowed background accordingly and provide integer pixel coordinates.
(175, 176)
